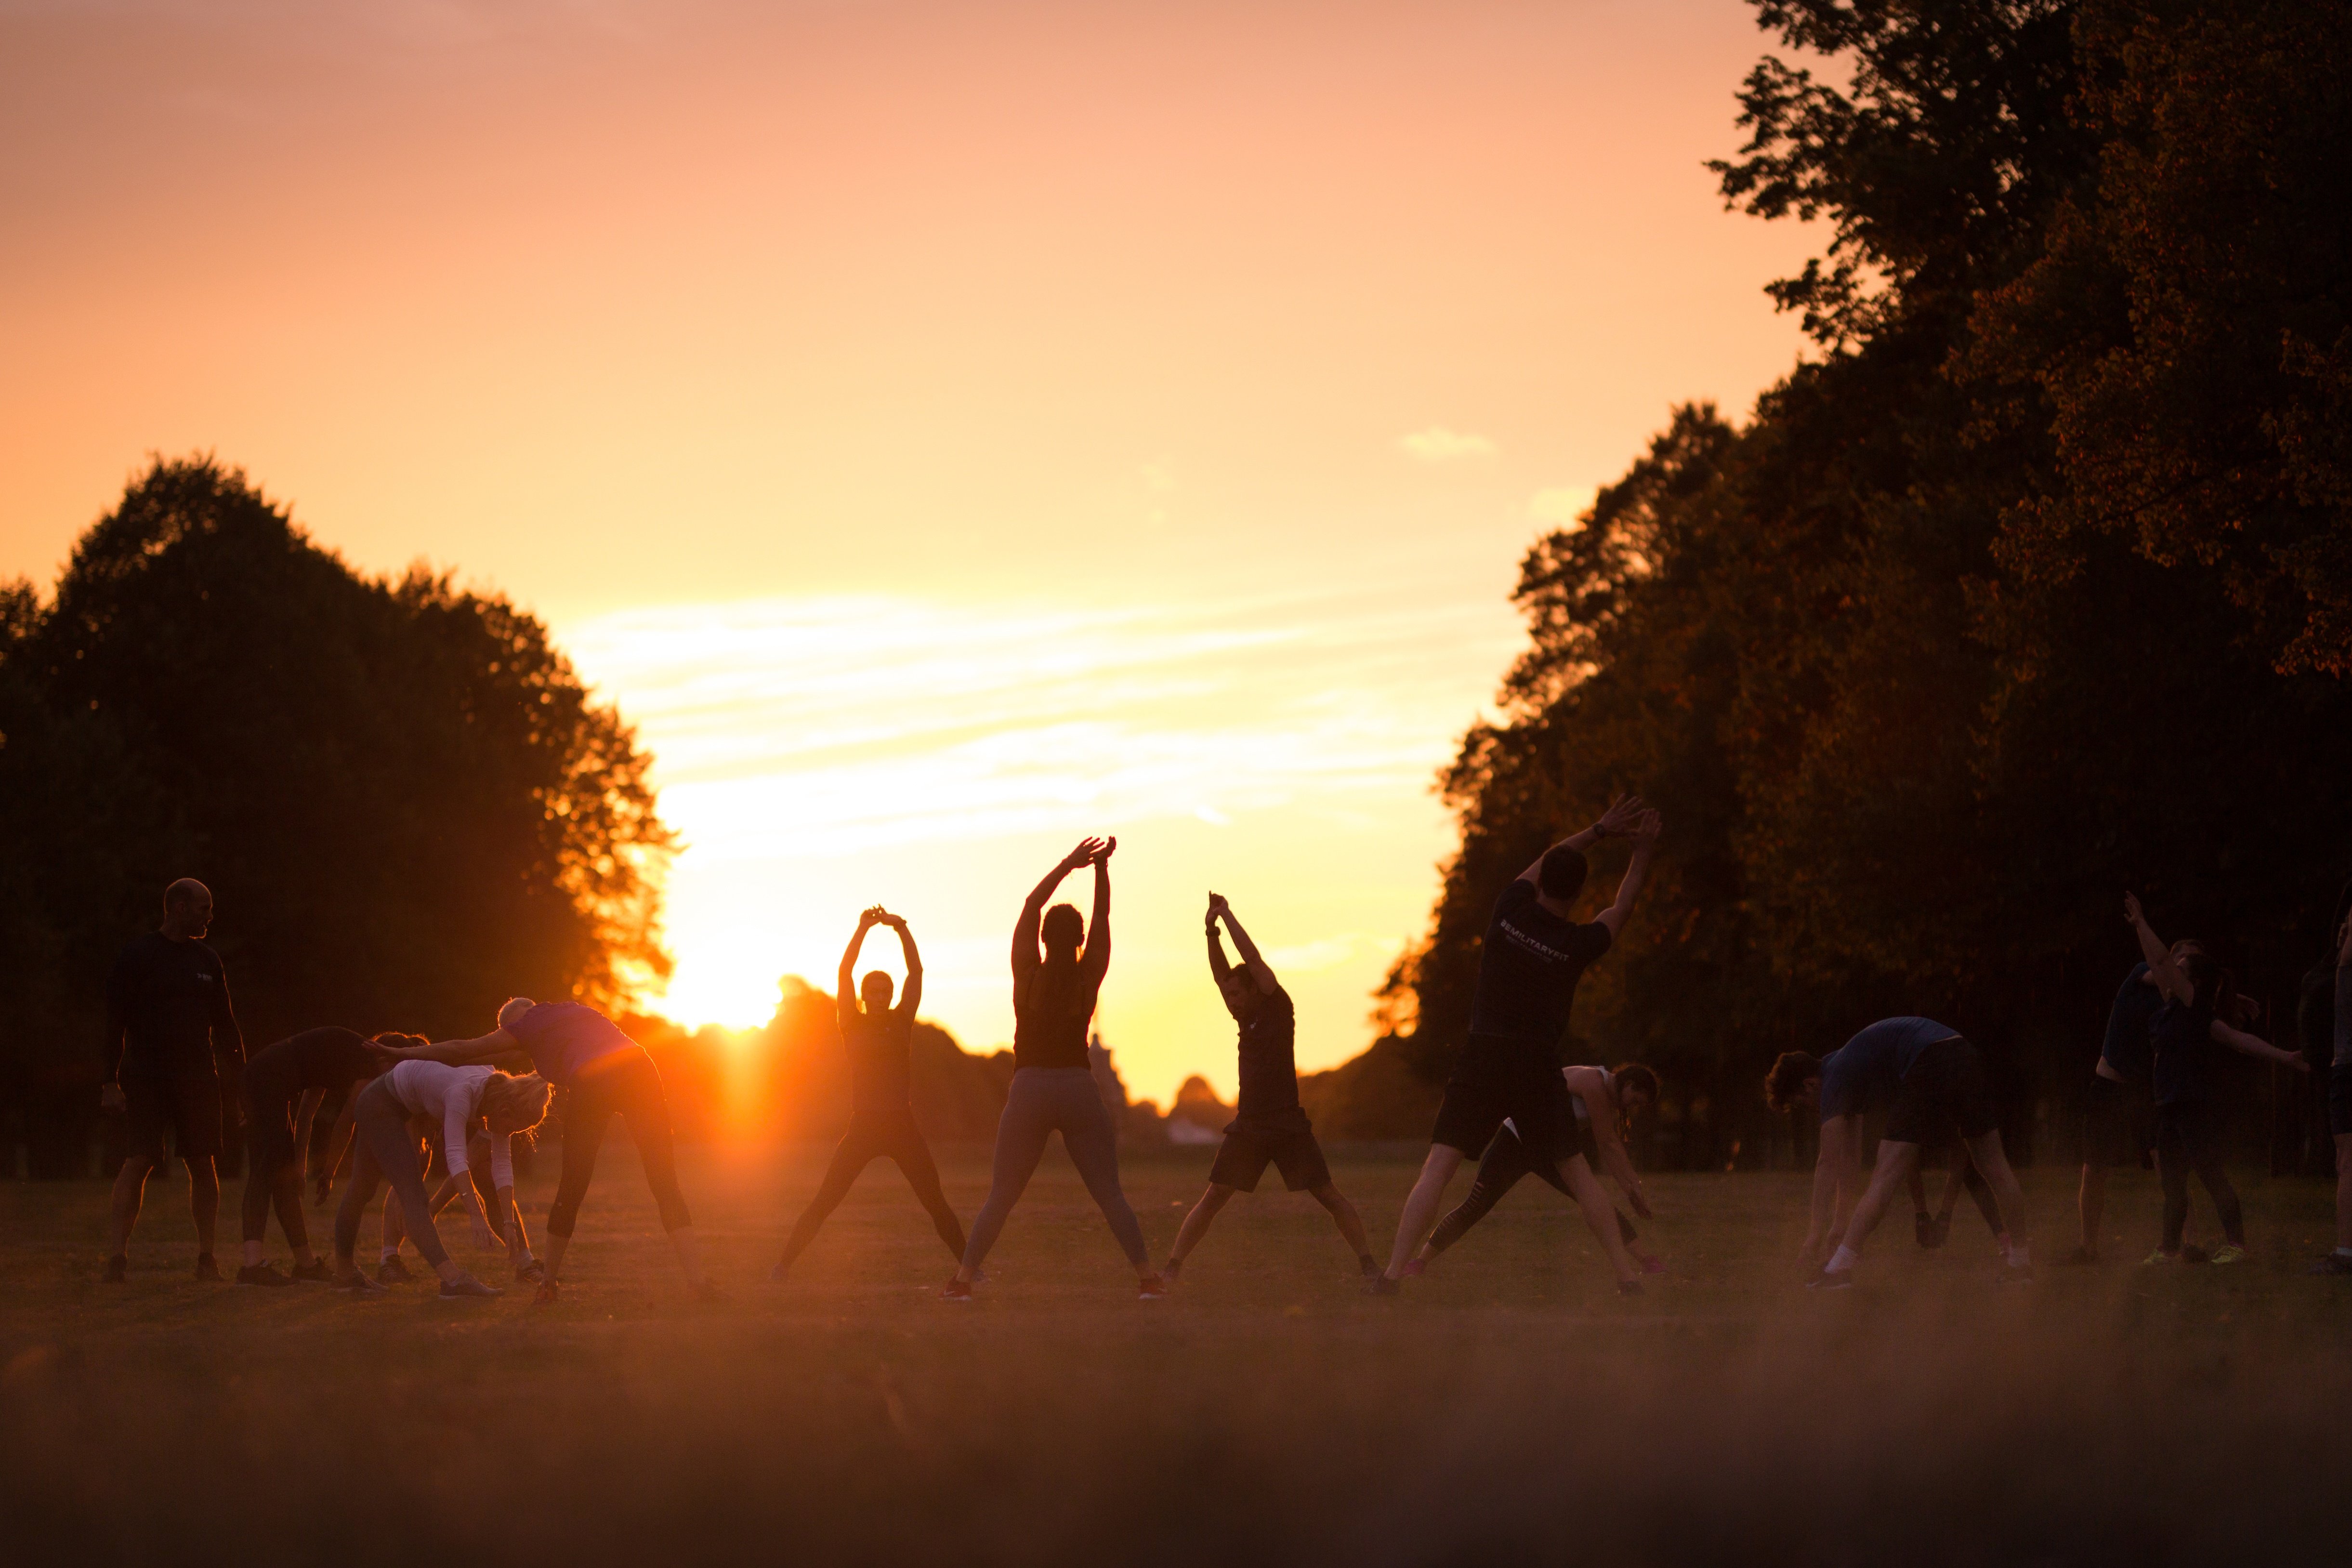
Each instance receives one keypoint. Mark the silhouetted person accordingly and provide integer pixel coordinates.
(168, 1022)
(1529, 967)
(2119, 1114)
(2328, 1017)
(285, 1083)
(1269, 1126)
(1054, 1088)
(880, 1042)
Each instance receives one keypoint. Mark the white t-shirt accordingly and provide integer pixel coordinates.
(1576, 1101)
(453, 1096)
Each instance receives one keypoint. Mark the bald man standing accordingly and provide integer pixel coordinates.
(168, 1019)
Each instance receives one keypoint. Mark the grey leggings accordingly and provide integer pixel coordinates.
(386, 1150)
(1045, 1100)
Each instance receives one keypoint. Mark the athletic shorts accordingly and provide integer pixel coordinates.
(1535, 1101)
(1945, 1086)
(1291, 1149)
(190, 1107)
(2118, 1124)
(2340, 1100)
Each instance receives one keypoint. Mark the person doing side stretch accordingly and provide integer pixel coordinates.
(1933, 1078)
(1603, 1099)
(1269, 1126)
(1052, 1086)
(605, 1073)
(880, 1042)
(284, 1086)
(2188, 1124)
(1509, 1070)
(456, 1097)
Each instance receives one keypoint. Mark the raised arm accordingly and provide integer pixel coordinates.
(1219, 967)
(1096, 959)
(911, 995)
(1623, 813)
(1252, 960)
(2254, 1045)
(1646, 845)
(844, 985)
(1025, 931)
(2169, 979)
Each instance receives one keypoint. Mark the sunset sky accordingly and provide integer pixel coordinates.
(945, 430)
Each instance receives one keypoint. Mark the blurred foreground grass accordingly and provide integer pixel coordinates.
(1508, 1408)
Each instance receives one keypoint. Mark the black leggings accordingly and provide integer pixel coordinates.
(273, 1173)
(2187, 1139)
(867, 1140)
(1506, 1161)
(627, 1082)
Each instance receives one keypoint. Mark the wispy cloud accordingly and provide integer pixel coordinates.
(1439, 444)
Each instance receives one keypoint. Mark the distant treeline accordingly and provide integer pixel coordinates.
(403, 800)
(2033, 584)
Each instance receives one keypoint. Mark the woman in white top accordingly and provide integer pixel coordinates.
(458, 1097)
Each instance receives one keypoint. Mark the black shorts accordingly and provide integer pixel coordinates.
(1290, 1148)
(2340, 1100)
(190, 1107)
(1944, 1088)
(1535, 1101)
(2118, 1124)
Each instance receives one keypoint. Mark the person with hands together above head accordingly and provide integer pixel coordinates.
(1533, 956)
(1269, 1126)
(880, 1042)
(2200, 998)
(1053, 1087)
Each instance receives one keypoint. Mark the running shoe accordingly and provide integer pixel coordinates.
(392, 1271)
(2158, 1256)
(1414, 1268)
(206, 1268)
(1151, 1287)
(531, 1272)
(465, 1286)
(2334, 1263)
(2228, 1252)
(1827, 1278)
(360, 1284)
(1382, 1284)
(315, 1272)
(955, 1291)
(261, 1274)
(1629, 1288)
(2014, 1274)
(1654, 1266)
(545, 1295)
(118, 1271)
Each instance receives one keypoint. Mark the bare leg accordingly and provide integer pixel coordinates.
(203, 1201)
(1420, 1215)
(122, 1212)
(1991, 1160)
(1896, 1162)
(1343, 1215)
(1196, 1223)
(1599, 1213)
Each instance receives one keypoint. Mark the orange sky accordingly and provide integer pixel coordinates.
(946, 428)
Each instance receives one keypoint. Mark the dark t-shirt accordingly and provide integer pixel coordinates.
(2182, 1039)
(1269, 1066)
(1864, 1071)
(331, 1058)
(168, 1011)
(881, 1048)
(1528, 972)
(563, 1038)
(1050, 1014)
(2126, 1048)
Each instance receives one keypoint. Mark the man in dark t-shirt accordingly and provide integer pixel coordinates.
(1269, 1126)
(168, 1020)
(1509, 1069)
(2118, 1111)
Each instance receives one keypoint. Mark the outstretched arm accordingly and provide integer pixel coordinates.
(1095, 961)
(2254, 1045)
(1623, 813)
(1025, 931)
(339, 1140)
(911, 995)
(1612, 1148)
(486, 1048)
(1645, 844)
(2168, 975)
(845, 988)
(1252, 960)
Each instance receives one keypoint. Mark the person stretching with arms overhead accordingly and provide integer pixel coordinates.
(2182, 1036)
(1509, 1070)
(284, 1085)
(1052, 1086)
(880, 1043)
(1933, 1078)
(1269, 1126)
(456, 1097)
(1603, 1098)
(577, 1048)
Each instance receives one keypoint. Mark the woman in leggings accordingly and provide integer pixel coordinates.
(283, 1086)
(880, 1043)
(1602, 1098)
(602, 1073)
(1053, 1084)
(457, 1098)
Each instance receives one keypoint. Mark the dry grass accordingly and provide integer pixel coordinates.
(1511, 1408)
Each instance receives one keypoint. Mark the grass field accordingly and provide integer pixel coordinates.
(1508, 1408)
